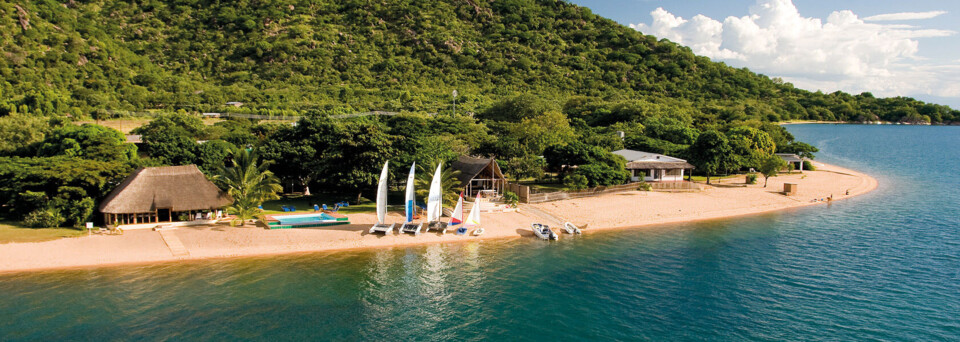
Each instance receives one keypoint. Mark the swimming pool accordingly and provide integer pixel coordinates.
(306, 220)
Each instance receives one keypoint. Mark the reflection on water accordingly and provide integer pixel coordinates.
(882, 266)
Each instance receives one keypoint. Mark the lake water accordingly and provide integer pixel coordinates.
(883, 266)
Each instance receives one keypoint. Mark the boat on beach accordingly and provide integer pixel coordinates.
(570, 228)
(474, 219)
(457, 217)
(544, 232)
(435, 204)
(381, 226)
(410, 204)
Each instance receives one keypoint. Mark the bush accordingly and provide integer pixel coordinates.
(644, 186)
(43, 218)
(752, 178)
(807, 165)
(575, 181)
(511, 198)
(602, 174)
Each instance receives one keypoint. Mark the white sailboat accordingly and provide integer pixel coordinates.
(381, 226)
(435, 203)
(411, 205)
(474, 219)
(457, 217)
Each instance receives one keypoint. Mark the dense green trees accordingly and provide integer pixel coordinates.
(281, 58)
(56, 187)
(712, 153)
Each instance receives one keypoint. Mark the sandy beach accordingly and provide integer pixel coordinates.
(633, 209)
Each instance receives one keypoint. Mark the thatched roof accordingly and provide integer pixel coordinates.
(471, 167)
(658, 165)
(179, 188)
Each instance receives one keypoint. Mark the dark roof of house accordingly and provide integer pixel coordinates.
(179, 188)
(658, 165)
(790, 157)
(470, 167)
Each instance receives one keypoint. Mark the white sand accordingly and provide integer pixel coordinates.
(630, 209)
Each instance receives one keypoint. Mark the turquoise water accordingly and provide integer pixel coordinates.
(303, 218)
(883, 266)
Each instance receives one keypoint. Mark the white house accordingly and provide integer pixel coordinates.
(794, 159)
(655, 167)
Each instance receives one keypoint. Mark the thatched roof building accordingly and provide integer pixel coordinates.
(479, 174)
(159, 194)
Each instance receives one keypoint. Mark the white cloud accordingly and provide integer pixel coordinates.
(843, 52)
(905, 16)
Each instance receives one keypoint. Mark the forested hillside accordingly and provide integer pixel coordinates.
(78, 57)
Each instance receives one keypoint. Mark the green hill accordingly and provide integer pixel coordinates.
(288, 56)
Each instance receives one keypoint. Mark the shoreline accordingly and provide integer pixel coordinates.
(631, 210)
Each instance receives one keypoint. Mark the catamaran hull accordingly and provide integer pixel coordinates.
(382, 228)
(411, 228)
(437, 226)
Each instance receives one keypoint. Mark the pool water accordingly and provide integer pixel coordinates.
(306, 220)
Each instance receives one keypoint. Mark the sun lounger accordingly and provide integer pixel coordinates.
(317, 208)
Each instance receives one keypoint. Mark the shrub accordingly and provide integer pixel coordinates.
(575, 181)
(43, 218)
(644, 186)
(511, 198)
(602, 174)
(752, 178)
(807, 165)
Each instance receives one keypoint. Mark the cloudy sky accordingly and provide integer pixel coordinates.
(889, 48)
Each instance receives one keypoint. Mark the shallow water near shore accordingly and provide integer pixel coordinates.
(885, 265)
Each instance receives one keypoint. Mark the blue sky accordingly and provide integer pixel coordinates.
(890, 48)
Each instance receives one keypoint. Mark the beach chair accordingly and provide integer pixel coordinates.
(325, 207)
(259, 207)
(317, 208)
(292, 208)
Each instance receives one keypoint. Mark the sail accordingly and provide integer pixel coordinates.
(411, 199)
(457, 212)
(435, 199)
(382, 195)
(474, 219)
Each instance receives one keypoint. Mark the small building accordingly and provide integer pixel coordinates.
(477, 174)
(166, 194)
(235, 104)
(134, 138)
(211, 115)
(793, 159)
(654, 167)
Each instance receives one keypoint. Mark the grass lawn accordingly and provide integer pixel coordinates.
(712, 178)
(10, 232)
(305, 203)
(548, 187)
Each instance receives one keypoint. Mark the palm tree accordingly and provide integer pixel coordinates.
(249, 182)
(449, 183)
